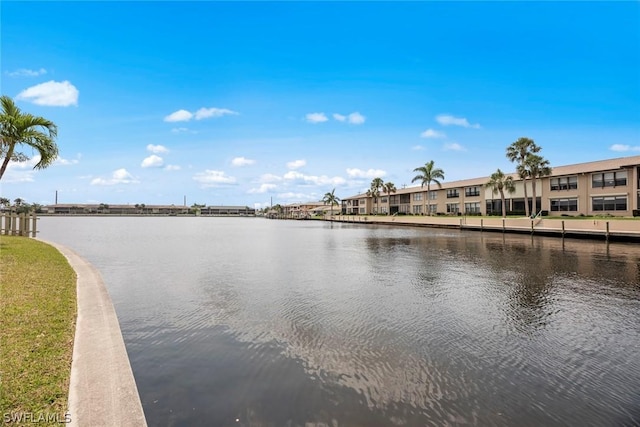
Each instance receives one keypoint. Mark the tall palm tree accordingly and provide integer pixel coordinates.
(5, 203)
(376, 185)
(389, 187)
(518, 152)
(331, 199)
(426, 175)
(18, 128)
(499, 182)
(537, 167)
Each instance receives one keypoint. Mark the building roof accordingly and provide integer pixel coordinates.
(600, 165)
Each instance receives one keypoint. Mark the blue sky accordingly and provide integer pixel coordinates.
(236, 103)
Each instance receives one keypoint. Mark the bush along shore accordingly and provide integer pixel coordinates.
(37, 314)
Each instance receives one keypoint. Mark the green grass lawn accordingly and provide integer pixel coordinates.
(37, 314)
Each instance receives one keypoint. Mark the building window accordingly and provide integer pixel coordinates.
(394, 200)
(564, 205)
(361, 210)
(405, 208)
(433, 195)
(417, 209)
(405, 198)
(618, 203)
(383, 200)
(609, 179)
(453, 193)
(417, 197)
(383, 209)
(453, 208)
(471, 191)
(564, 183)
(472, 207)
(432, 209)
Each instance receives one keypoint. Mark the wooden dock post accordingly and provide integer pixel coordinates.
(14, 221)
(531, 226)
(607, 234)
(481, 224)
(503, 228)
(563, 228)
(22, 224)
(34, 223)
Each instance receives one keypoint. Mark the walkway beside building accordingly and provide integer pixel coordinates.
(103, 391)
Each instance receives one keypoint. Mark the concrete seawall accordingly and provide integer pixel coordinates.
(604, 229)
(102, 391)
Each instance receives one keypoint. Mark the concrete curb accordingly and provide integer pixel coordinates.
(102, 391)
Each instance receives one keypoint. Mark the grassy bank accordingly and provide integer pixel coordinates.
(37, 314)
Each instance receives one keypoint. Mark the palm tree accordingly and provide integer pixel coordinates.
(499, 182)
(376, 185)
(5, 203)
(36, 207)
(426, 175)
(18, 128)
(537, 167)
(518, 152)
(331, 199)
(388, 188)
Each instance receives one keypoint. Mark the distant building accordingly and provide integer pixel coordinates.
(107, 209)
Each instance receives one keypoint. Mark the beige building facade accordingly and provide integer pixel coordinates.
(594, 188)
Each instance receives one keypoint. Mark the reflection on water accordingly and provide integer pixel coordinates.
(244, 321)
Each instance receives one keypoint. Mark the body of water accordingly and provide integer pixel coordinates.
(255, 322)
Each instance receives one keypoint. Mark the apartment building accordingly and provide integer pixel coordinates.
(602, 187)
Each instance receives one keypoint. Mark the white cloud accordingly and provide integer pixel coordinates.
(448, 120)
(21, 171)
(205, 113)
(369, 173)
(339, 117)
(25, 72)
(430, 133)
(296, 164)
(624, 147)
(179, 116)
(202, 113)
(66, 162)
(262, 189)
(300, 178)
(28, 164)
(157, 149)
(356, 118)
(172, 168)
(453, 146)
(183, 130)
(17, 176)
(152, 161)
(119, 176)
(269, 177)
(316, 117)
(296, 196)
(242, 161)
(417, 147)
(213, 178)
(51, 93)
